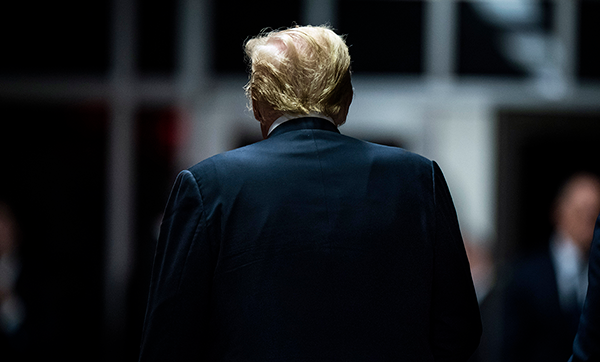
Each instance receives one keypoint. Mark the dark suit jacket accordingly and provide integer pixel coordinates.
(311, 246)
(536, 327)
(586, 346)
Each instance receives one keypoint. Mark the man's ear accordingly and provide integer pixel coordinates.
(264, 112)
(256, 110)
(340, 118)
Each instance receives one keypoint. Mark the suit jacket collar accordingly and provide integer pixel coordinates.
(304, 123)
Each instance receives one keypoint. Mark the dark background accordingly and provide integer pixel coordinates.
(54, 152)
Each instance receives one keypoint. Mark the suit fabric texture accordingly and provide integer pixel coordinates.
(586, 346)
(311, 246)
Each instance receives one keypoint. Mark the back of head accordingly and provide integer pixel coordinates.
(300, 70)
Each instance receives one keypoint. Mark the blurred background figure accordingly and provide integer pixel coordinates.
(585, 345)
(12, 309)
(545, 294)
(485, 279)
(482, 267)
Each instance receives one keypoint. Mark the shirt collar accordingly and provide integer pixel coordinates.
(289, 116)
(565, 252)
(570, 269)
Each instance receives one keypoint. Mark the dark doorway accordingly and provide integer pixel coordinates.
(538, 151)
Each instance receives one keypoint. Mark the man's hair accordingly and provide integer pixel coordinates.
(300, 70)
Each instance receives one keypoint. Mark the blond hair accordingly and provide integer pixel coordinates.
(300, 70)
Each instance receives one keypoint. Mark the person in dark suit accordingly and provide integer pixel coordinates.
(546, 292)
(309, 245)
(586, 346)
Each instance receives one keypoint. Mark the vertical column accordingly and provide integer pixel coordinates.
(194, 48)
(120, 181)
(565, 27)
(440, 40)
(557, 78)
(193, 77)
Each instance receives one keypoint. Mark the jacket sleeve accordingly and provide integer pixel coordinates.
(586, 346)
(456, 322)
(177, 318)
